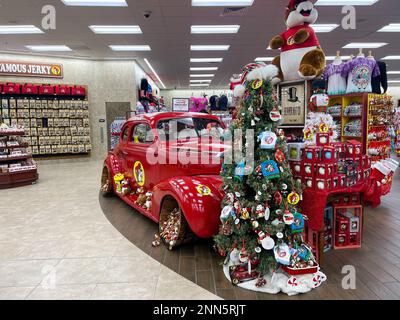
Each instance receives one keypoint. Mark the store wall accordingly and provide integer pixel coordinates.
(107, 81)
(170, 94)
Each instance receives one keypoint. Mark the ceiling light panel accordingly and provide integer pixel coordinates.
(49, 48)
(345, 2)
(200, 85)
(130, 47)
(209, 48)
(393, 72)
(391, 58)
(203, 68)
(95, 3)
(23, 29)
(329, 58)
(155, 73)
(201, 81)
(264, 59)
(364, 45)
(323, 28)
(222, 3)
(102, 29)
(206, 60)
(215, 29)
(392, 27)
(202, 75)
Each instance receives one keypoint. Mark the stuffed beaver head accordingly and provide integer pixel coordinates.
(300, 12)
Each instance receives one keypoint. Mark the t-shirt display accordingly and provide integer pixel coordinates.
(359, 73)
(337, 83)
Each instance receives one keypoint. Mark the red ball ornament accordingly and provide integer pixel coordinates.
(279, 156)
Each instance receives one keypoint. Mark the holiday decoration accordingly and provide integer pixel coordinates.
(301, 55)
(260, 207)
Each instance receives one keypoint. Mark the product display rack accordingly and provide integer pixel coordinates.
(55, 124)
(380, 116)
(17, 167)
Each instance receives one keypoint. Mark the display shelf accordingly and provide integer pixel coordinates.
(347, 224)
(16, 169)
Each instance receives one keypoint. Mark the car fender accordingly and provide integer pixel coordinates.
(199, 198)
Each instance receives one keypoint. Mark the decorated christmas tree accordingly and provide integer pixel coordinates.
(261, 227)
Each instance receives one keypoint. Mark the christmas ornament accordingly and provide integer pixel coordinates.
(270, 169)
(304, 253)
(234, 256)
(226, 229)
(298, 223)
(293, 198)
(227, 211)
(324, 128)
(268, 243)
(279, 156)
(257, 84)
(267, 213)
(255, 224)
(278, 198)
(243, 255)
(259, 211)
(275, 115)
(279, 235)
(243, 170)
(308, 134)
(245, 214)
(258, 250)
(288, 218)
(261, 282)
(268, 140)
(282, 254)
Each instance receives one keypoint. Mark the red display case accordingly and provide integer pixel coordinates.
(348, 220)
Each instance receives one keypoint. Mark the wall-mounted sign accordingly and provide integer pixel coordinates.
(180, 104)
(31, 69)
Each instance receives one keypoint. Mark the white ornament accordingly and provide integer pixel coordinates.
(234, 256)
(267, 213)
(268, 243)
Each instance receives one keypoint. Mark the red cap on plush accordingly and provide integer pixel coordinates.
(293, 3)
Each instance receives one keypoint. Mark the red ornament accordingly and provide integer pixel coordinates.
(278, 198)
(279, 156)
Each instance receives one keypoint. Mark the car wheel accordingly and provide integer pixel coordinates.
(173, 227)
(106, 187)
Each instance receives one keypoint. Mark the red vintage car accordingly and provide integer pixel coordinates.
(149, 170)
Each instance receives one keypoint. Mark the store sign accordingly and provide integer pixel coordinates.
(180, 104)
(30, 69)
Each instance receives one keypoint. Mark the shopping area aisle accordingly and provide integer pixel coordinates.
(55, 243)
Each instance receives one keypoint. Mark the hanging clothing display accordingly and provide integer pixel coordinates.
(359, 73)
(337, 83)
(214, 103)
(198, 104)
(223, 103)
(381, 80)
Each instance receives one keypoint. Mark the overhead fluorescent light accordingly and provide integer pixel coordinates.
(95, 3)
(155, 73)
(23, 29)
(130, 47)
(346, 2)
(203, 68)
(210, 60)
(209, 48)
(99, 29)
(49, 48)
(393, 72)
(222, 3)
(391, 58)
(264, 59)
(329, 58)
(215, 29)
(394, 81)
(202, 75)
(201, 81)
(392, 27)
(364, 45)
(200, 85)
(324, 27)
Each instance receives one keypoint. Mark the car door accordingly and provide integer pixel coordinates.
(140, 140)
(121, 151)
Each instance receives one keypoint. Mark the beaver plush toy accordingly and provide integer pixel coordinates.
(301, 55)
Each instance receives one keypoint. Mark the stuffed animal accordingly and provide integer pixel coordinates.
(125, 189)
(301, 55)
(141, 200)
(147, 204)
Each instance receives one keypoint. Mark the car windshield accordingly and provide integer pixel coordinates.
(187, 128)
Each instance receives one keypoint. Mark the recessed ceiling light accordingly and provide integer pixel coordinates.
(392, 27)
(209, 48)
(155, 73)
(130, 47)
(201, 81)
(324, 27)
(49, 48)
(203, 68)
(334, 57)
(264, 59)
(393, 72)
(200, 85)
(364, 45)
(23, 29)
(391, 58)
(115, 29)
(346, 2)
(96, 3)
(202, 75)
(215, 29)
(210, 60)
(222, 3)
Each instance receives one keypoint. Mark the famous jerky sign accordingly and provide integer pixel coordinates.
(29, 69)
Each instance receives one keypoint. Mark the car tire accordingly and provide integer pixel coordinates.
(106, 187)
(170, 206)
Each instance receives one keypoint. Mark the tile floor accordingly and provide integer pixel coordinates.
(56, 243)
